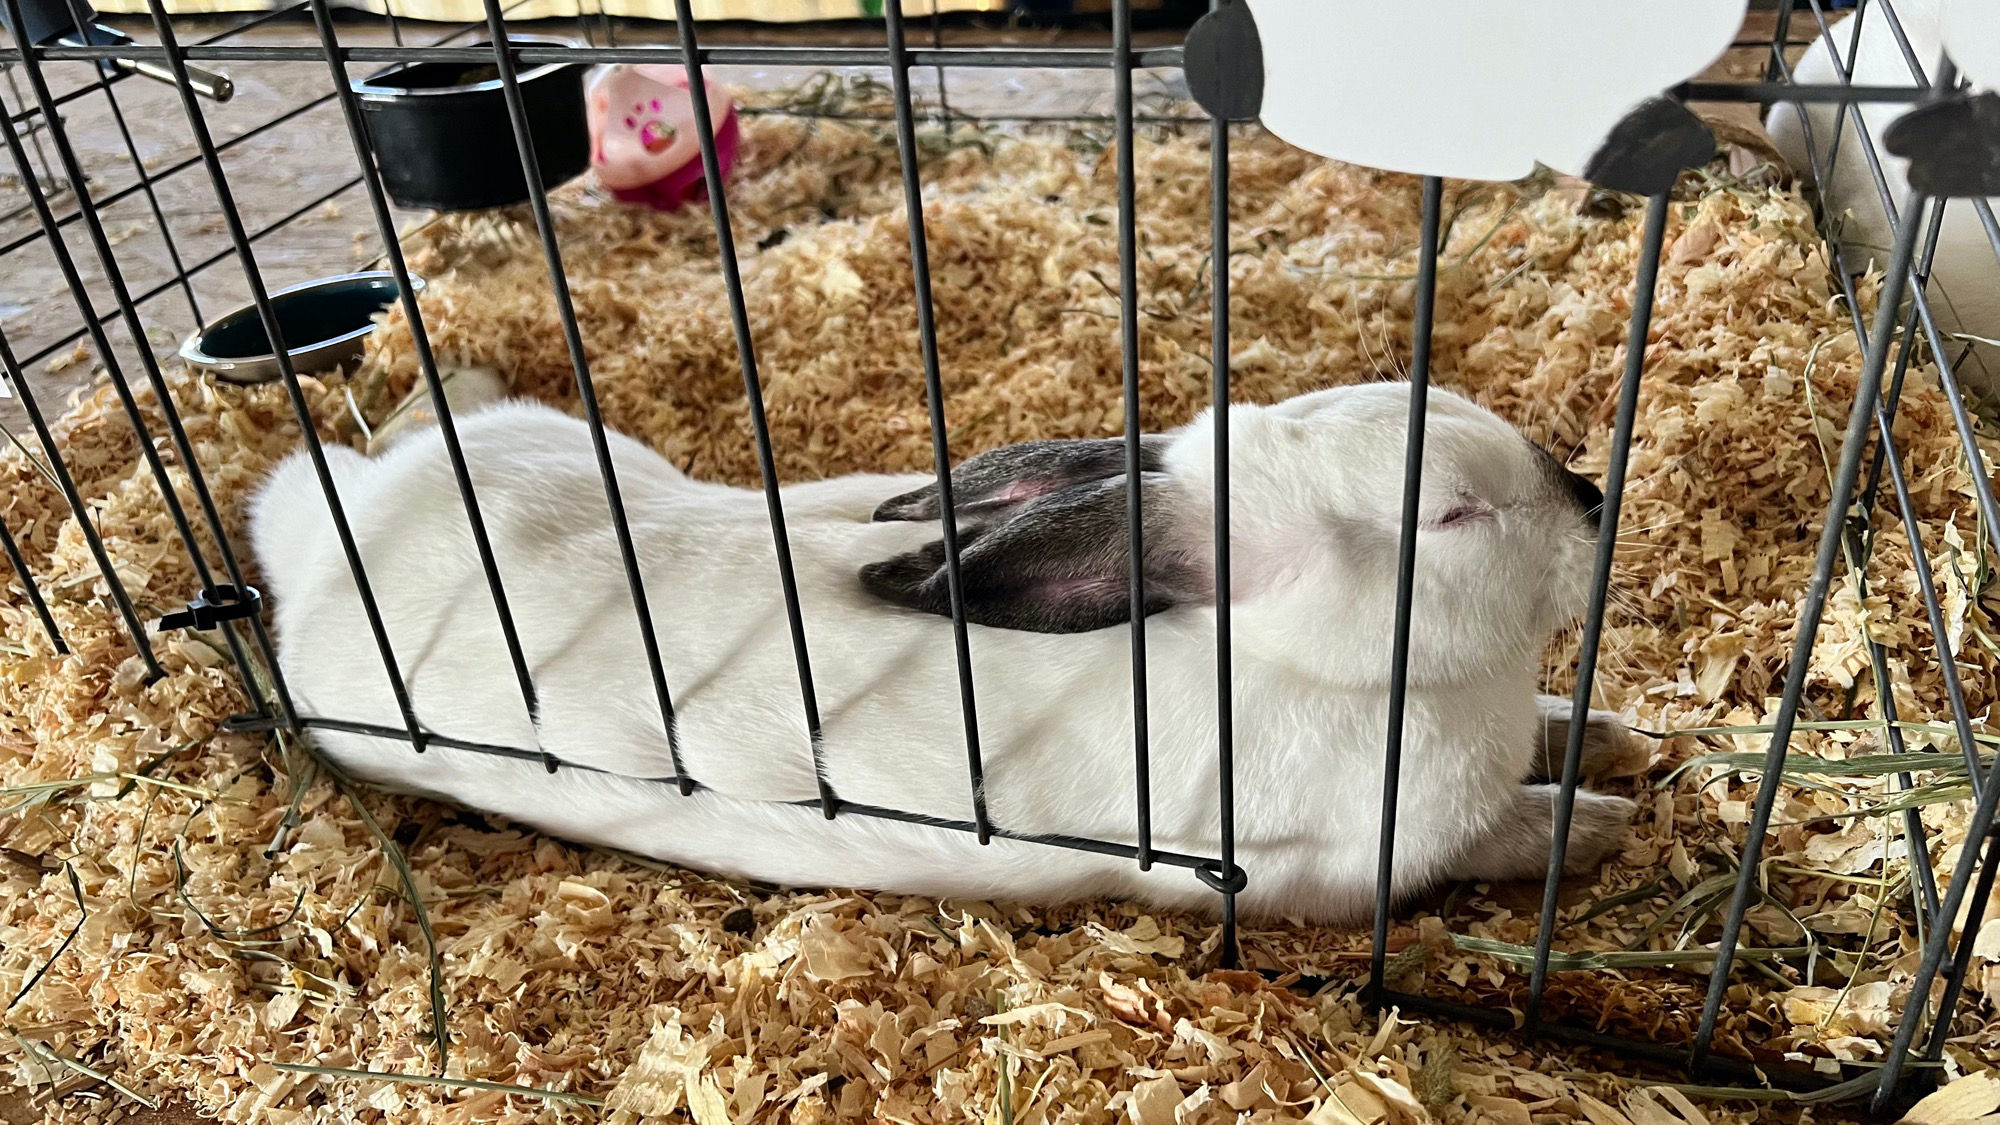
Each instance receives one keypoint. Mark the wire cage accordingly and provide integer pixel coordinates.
(68, 73)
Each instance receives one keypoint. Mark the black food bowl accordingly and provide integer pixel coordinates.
(443, 139)
(323, 322)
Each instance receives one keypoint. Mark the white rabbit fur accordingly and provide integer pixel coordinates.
(1315, 501)
(1965, 274)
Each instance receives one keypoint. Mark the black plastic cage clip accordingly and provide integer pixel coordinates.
(214, 606)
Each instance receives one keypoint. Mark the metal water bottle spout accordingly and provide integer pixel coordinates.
(70, 23)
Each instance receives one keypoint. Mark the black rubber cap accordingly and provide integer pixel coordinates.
(1645, 152)
(1223, 60)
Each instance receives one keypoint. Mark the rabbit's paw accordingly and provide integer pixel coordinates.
(1605, 739)
(1517, 847)
(1597, 830)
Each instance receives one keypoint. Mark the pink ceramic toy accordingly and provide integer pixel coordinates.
(642, 135)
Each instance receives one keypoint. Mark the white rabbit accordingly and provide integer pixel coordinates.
(1964, 291)
(1503, 560)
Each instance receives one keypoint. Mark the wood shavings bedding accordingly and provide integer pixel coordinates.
(208, 957)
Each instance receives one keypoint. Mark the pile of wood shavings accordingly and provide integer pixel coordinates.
(204, 957)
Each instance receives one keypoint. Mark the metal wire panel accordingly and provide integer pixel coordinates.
(1869, 456)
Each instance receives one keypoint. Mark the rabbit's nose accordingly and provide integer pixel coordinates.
(1587, 495)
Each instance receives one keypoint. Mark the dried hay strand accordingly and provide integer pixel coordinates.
(219, 917)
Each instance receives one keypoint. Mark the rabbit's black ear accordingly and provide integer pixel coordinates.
(1059, 563)
(999, 480)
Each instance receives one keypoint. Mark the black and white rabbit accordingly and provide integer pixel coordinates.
(1503, 560)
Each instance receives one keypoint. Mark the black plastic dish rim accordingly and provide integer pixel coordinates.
(373, 89)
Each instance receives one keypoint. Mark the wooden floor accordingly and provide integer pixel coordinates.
(302, 166)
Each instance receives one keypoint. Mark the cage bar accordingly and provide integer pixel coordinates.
(230, 32)
(148, 179)
(1781, 37)
(1960, 964)
(1059, 58)
(107, 260)
(1651, 241)
(1920, 311)
(103, 84)
(141, 299)
(517, 115)
(1913, 824)
(134, 628)
(1225, 675)
(268, 317)
(1841, 109)
(920, 269)
(760, 427)
(1942, 913)
(33, 124)
(1860, 547)
(1195, 863)
(1963, 874)
(1906, 335)
(1128, 342)
(1406, 576)
(1811, 611)
(30, 590)
(392, 249)
(1975, 873)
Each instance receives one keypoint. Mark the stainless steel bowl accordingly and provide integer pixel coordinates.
(323, 323)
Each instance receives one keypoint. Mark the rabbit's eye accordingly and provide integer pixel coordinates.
(1468, 510)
